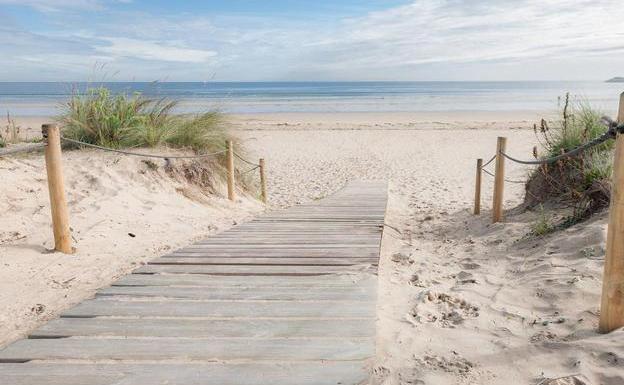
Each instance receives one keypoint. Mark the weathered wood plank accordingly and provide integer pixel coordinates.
(297, 261)
(294, 248)
(354, 293)
(198, 373)
(321, 281)
(190, 328)
(251, 270)
(220, 309)
(284, 253)
(189, 349)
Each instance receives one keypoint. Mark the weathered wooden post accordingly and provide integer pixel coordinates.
(263, 191)
(230, 170)
(612, 303)
(499, 181)
(477, 198)
(56, 187)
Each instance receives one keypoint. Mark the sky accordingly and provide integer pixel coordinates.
(310, 40)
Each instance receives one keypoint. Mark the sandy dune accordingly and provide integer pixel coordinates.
(460, 301)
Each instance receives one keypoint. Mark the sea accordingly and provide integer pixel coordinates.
(46, 98)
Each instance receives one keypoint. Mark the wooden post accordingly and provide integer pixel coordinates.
(477, 202)
(230, 170)
(499, 181)
(58, 203)
(263, 191)
(612, 303)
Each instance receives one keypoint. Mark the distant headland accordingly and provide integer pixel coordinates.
(617, 79)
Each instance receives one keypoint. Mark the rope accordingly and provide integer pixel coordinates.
(245, 160)
(139, 154)
(19, 149)
(250, 170)
(613, 130)
(489, 161)
(506, 180)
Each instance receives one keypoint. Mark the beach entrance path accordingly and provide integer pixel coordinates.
(288, 298)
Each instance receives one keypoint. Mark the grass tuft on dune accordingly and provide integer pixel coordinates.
(581, 182)
(100, 117)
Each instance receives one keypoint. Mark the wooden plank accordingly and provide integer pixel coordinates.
(298, 261)
(354, 293)
(192, 328)
(188, 349)
(321, 281)
(251, 270)
(198, 373)
(317, 246)
(285, 253)
(220, 309)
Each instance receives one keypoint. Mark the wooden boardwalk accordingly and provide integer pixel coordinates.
(288, 298)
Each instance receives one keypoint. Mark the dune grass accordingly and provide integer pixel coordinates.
(125, 121)
(583, 181)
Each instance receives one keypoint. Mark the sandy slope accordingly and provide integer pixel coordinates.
(122, 212)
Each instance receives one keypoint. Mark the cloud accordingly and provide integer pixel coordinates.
(451, 31)
(56, 5)
(424, 39)
(150, 50)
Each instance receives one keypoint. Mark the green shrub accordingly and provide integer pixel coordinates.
(121, 121)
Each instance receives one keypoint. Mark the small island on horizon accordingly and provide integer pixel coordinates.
(617, 79)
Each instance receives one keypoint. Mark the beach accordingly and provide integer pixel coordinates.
(461, 301)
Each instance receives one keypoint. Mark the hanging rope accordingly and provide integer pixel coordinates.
(245, 160)
(611, 133)
(124, 152)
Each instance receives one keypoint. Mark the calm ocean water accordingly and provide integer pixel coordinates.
(37, 99)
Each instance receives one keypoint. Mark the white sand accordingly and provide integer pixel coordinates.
(109, 197)
(460, 301)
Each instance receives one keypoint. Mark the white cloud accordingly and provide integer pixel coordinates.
(426, 39)
(434, 31)
(150, 50)
(56, 5)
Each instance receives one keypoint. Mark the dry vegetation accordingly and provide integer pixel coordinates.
(579, 183)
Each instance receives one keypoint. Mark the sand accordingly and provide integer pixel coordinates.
(122, 213)
(461, 301)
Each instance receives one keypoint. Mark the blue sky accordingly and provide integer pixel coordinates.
(70, 40)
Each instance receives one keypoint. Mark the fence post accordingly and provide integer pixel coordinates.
(477, 198)
(58, 203)
(230, 170)
(499, 181)
(612, 302)
(263, 191)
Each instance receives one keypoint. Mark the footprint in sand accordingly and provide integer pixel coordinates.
(444, 309)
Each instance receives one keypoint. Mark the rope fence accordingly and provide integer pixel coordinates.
(51, 145)
(613, 129)
(612, 300)
(131, 153)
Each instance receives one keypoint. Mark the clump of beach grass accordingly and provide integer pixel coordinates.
(543, 224)
(100, 117)
(11, 133)
(581, 182)
(121, 121)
